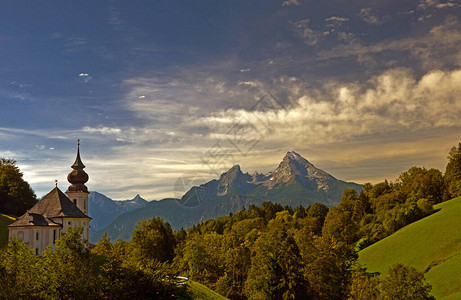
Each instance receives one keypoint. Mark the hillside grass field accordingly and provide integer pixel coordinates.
(4, 222)
(431, 245)
(195, 290)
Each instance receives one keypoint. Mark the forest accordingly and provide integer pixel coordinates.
(266, 252)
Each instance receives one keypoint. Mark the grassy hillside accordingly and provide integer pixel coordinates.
(4, 222)
(197, 291)
(432, 245)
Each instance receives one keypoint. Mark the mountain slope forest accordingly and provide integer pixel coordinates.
(269, 251)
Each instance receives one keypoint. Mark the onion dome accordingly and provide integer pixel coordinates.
(77, 178)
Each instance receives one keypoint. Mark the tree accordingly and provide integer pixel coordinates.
(276, 267)
(326, 266)
(418, 183)
(237, 259)
(452, 175)
(363, 285)
(16, 196)
(18, 272)
(67, 268)
(153, 240)
(404, 282)
(203, 259)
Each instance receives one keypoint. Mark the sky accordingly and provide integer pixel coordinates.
(168, 94)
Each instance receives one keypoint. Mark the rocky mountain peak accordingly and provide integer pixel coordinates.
(233, 179)
(138, 199)
(294, 166)
(232, 174)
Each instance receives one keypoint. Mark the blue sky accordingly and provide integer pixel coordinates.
(166, 94)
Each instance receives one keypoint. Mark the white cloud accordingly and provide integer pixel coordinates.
(85, 77)
(102, 130)
(248, 83)
(439, 4)
(290, 3)
(394, 101)
(336, 21)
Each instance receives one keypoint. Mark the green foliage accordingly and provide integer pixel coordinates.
(276, 268)
(363, 285)
(452, 175)
(403, 282)
(66, 267)
(203, 258)
(16, 196)
(341, 221)
(327, 265)
(400, 282)
(431, 245)
(153, 240)
(67, 270)
(18, 275)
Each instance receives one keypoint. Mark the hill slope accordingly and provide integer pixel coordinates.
(195, 290)
(432, 245)
(4, 222)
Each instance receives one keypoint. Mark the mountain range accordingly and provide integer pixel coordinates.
(294, 182)
(104, 210)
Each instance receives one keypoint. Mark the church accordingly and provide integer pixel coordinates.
(52, 216)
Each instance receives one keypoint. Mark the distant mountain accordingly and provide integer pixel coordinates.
(295, 182)
(104, 210)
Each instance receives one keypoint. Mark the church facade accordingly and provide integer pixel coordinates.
(52, 216)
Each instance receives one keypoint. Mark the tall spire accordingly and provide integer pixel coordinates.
(77, 178)
(78, 162)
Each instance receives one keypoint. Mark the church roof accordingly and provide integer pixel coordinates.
(56, 205)
(31, 219)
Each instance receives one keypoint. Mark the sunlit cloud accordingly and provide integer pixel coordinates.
(290, 3)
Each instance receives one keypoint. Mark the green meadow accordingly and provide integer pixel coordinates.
(196, 290)
(4, 222)
(431, 245)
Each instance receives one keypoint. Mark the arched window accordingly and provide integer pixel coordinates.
(75, 201)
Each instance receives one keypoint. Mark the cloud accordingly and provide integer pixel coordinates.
(309, 36)
(248, 83)
(290, 3)
(336, 21)
(394, 101)
(438, 4)
(85, 77)
(435, 49)
(370, 17)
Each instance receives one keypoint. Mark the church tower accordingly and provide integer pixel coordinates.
(77, 191)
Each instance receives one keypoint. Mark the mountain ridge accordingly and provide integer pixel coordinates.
(294, 182)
